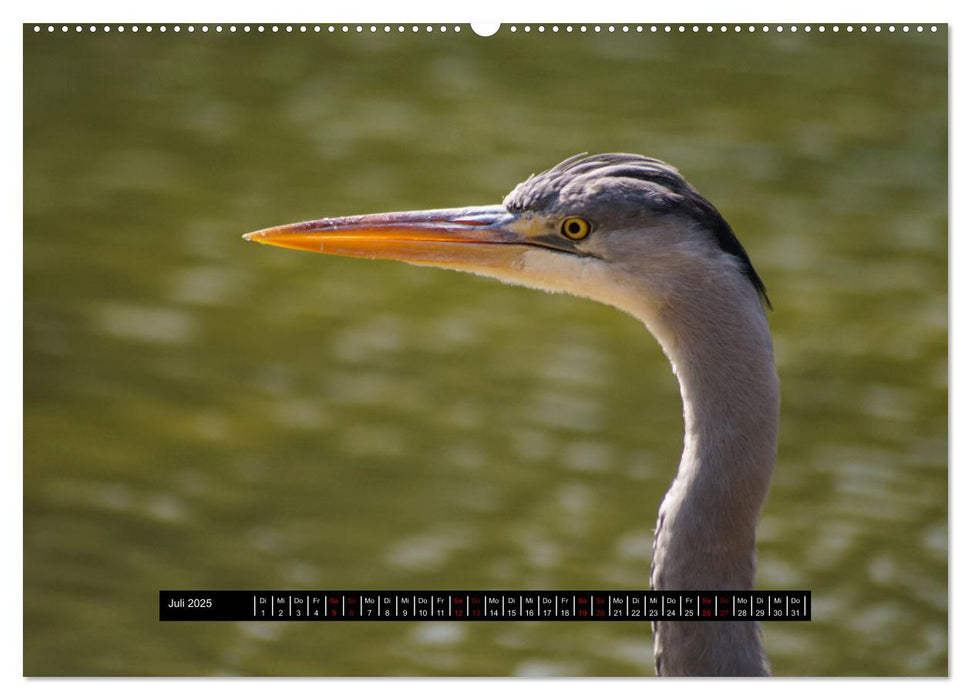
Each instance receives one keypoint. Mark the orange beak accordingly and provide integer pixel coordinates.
(470, 238)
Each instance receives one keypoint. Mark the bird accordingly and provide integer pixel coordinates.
(631, 232)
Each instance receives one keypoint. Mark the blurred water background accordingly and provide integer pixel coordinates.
(205, 413)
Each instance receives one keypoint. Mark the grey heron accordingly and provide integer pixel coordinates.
(629, 231)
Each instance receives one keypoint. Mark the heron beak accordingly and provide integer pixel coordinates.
(470, 238)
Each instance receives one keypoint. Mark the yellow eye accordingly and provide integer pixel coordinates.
(575, 228)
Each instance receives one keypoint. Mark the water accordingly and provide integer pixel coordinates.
(205, 413)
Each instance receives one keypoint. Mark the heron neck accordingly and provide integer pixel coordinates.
(722, 355)
(721, 351)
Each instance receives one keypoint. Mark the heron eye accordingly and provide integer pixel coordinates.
(575, 228)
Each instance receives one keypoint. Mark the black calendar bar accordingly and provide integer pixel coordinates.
(529, 606)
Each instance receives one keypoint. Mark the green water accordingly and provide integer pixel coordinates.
(205, 413)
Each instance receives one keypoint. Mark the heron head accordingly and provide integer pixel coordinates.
(595, 226)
